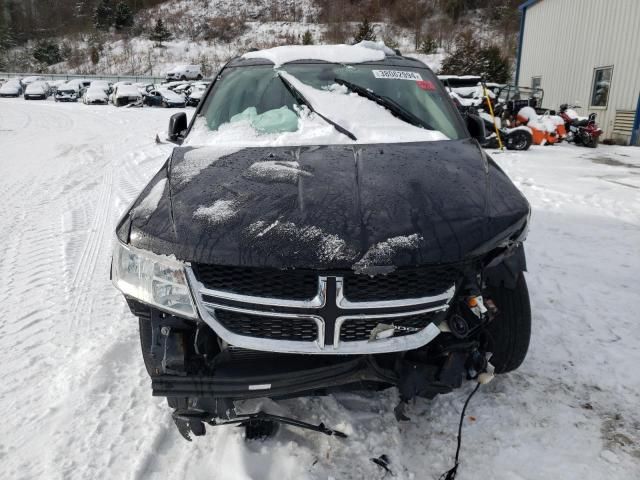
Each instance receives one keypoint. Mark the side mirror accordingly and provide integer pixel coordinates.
(475, 125)
(177, 126)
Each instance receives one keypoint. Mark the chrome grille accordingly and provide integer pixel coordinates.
(277, 328)
(320, 321)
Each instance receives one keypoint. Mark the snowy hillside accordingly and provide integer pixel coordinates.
(210, 32)
(76, 399)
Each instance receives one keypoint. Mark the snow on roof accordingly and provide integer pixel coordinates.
(376, 46)
(328, 53)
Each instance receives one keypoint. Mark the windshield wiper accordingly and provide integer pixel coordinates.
(302, 100)
(394, 107)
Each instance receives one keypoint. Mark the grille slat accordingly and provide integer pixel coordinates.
(275, 328)
(303, 284)
(259, 282)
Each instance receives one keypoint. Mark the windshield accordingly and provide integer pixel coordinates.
(258, 94)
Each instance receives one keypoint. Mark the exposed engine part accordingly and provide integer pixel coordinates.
(458, 326)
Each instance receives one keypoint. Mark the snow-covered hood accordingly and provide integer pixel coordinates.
(35, 88)
(170, 96)
(95, 93)
(327, 207)
(10, 88)
(127, 91)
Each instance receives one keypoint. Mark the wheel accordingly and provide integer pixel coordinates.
(591, 142)
(199, 77)
(164, 104)
(509, 333)
(183, 78)
(519, 140)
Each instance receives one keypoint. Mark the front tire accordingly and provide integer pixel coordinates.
(519, 140)
(591, 142)
(510, 331)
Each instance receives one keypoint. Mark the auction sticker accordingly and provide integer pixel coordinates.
(397, 75)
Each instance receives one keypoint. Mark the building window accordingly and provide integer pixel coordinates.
(601, 86)
(536, 82)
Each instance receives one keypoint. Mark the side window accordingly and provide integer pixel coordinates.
(601, 86)
(536, 82)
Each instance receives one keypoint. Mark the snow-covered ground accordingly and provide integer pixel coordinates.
(75, 398)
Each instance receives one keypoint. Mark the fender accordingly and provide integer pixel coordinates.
(507, 271)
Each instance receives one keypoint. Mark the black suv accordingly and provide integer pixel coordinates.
(323, 226)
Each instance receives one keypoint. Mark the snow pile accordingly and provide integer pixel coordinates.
(383, 253)
(376, 46)
(368, 121)
(149, 203)
(329, 247)
(327, 53)
(277, 171)
(220, 212)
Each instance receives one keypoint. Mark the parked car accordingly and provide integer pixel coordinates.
(327, 223)
(55, 84)
(37, 90)
(195, 93)
(71, 91)
(95, 95)
(125, 94)
(184, 72)
(34, 78)
(12, 88)
(163, 97)
(103, 84)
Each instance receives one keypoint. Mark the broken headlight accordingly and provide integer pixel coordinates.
(153, 279)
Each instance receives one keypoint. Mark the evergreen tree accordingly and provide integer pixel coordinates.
(47, 52)
(123, 16)
(471, 58)
(103, 15)
(364, 32)
(307, 38)
(160, 33)
(428, 45)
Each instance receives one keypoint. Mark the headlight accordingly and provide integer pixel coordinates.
(154, 279)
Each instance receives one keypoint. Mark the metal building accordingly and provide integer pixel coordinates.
(587, 53)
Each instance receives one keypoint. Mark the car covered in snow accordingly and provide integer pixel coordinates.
(33, 78)
(95, 95)
(184, 72)
(12, 88)
(38, 90)
(103, 84)
(71, 91)
(195, 93)
(125, 94)
(327, 222)
(163, 97)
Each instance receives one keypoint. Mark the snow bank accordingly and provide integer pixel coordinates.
(327, 53)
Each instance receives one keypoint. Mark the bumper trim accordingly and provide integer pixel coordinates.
(354, 371)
